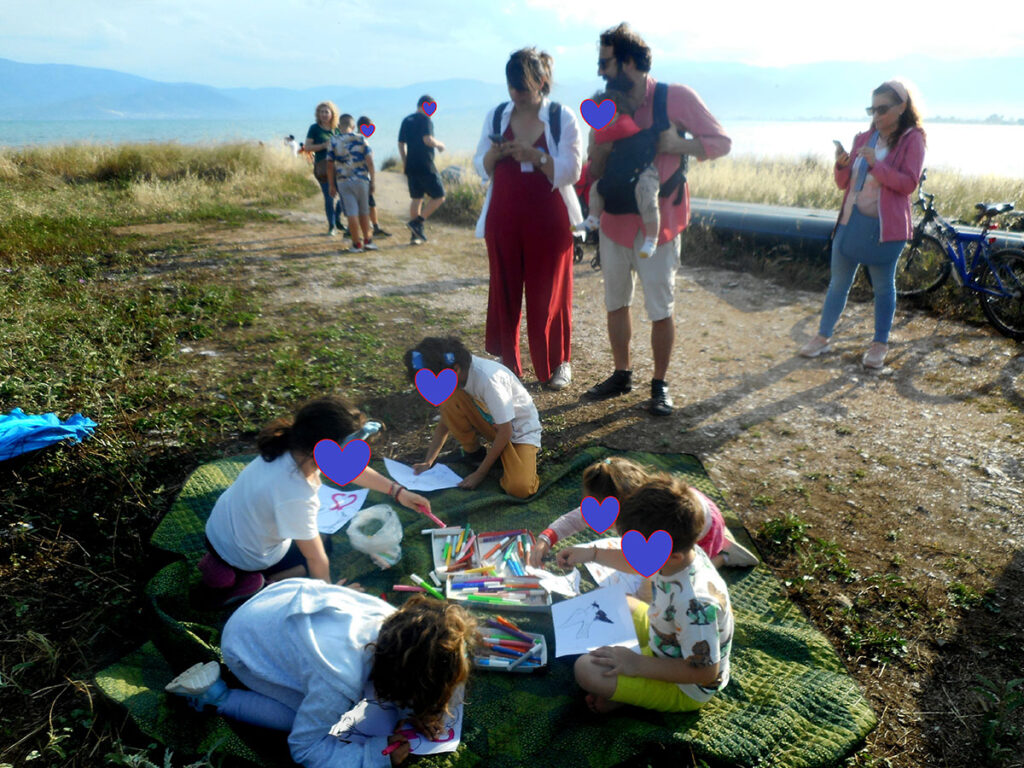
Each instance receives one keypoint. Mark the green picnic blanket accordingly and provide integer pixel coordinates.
(789, 703)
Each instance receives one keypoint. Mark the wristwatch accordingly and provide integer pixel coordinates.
(543, 159)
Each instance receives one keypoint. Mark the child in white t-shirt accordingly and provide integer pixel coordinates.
(489, 402)
(263, 528)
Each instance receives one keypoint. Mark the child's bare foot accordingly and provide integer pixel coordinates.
(601, 705)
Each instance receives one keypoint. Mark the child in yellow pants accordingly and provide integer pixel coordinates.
(489, 402)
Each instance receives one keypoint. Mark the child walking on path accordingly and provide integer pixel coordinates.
(308, 653)
(351, 174)
(619, 477)
(685, 633)
(264, 526)
(489, 402)
(629, 152)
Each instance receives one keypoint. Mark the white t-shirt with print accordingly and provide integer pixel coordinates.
(497, 390)
(254, 521)
(691, 618)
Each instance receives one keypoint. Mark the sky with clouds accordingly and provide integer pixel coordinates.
(305, 43)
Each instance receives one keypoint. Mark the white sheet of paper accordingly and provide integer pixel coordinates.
(567, 585)
(596, 618)
(604, 576)
(374, 718)
(451, 731)
(437, 478)
(337, 507)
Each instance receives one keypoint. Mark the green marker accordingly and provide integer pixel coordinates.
(496, 600)
(426, 586)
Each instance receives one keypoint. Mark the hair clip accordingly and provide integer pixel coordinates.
(449, 357)
(416, 359)
(608, 461)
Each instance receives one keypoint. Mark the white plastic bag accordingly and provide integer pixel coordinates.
(377, 531)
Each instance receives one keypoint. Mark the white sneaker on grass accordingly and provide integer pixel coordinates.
(560, 378)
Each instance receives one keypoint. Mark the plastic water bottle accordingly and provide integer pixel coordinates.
(368, 430)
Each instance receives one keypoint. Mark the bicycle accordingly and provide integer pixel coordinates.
(938, 249)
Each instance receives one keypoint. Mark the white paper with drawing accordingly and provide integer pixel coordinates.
(599, 617)
(604, 576)
(437, 478)
(337, 507)
(371, 718)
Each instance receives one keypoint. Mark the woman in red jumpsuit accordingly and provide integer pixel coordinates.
(528, 218)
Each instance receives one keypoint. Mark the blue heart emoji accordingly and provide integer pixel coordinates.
(601, 516)
(436, 389)
(367, 130)
(597, 116)
(646, 555)
(342, 465)
(429, 108)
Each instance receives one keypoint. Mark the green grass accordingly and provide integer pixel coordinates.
(91, 325)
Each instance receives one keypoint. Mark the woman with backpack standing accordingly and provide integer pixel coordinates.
(531, 151)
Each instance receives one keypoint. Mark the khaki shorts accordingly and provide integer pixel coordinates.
(657, 275)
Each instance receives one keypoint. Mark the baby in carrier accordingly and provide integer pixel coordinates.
(622, 159)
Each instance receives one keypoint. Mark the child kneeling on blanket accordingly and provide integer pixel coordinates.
(489, 402)
(315, 657)
(685, 633)
(263, 528)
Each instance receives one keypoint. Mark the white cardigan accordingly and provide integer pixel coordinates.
(567, 158)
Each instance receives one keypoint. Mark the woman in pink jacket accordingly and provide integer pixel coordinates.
(874, 222)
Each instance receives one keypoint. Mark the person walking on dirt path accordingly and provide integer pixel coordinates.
(416, 145)
(624, 62)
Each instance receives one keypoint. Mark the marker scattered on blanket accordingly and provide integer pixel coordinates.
(522, 659)
(426, 586)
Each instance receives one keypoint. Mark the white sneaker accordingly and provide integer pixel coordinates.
(332, 232)
(196, 680)
(737, 556)
(875, 356)
(371, 246)
(816, 346)
(560, 378)
(353, 249)
(647, 249)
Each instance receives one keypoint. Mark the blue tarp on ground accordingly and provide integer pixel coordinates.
(21, 432)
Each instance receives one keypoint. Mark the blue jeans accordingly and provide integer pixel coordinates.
(855, 243)
(334, 209)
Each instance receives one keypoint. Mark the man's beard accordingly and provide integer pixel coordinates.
(619, 82)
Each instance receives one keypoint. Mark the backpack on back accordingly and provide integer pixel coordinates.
(631, 155)
(554, 119)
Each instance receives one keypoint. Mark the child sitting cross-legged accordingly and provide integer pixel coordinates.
(685, 633)
(489, 402)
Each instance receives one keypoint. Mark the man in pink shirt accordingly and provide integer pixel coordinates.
(625, 62)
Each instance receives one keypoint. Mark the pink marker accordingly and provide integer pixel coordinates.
(433, 517)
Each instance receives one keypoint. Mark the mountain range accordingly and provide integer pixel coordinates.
(973, 89)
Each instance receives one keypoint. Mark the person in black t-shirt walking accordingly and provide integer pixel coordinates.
(416, 145)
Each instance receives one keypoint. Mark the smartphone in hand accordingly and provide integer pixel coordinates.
(839, 145)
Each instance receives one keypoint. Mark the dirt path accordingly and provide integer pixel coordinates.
(915, 472)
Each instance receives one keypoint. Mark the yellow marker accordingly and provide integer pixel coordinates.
(462, 536)
(484, 569)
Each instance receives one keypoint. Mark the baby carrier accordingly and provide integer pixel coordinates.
(631, 155)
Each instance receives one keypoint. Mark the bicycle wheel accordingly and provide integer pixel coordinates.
(1001, 292)
(922, 268)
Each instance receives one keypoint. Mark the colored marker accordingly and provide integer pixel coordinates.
(510, 627)
(493, 600)
(437, 521)
(462, 537)
(496, 547)
(407, 588)
(521, 660)
(426, 586)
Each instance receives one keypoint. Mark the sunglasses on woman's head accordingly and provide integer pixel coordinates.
(880, 110)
